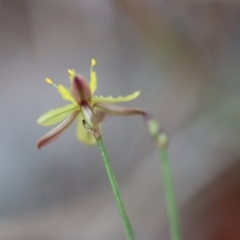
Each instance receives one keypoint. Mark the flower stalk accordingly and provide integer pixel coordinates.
(122, 211)
(169, 195)
(161, 140)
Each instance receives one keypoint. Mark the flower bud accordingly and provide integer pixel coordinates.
(156, 132)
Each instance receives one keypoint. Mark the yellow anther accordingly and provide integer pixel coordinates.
(94, 62)
(49, 81)
(71, 72)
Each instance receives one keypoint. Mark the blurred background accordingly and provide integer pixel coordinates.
(183, 56)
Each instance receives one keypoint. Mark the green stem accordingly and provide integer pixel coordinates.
(169, 195)
(113, 182)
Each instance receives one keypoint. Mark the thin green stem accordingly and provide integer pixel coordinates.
(113, 182)
(169, 195)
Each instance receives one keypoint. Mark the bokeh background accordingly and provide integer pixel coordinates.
(183, 56)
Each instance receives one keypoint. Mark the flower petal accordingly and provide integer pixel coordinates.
(100, 109)
(82, 134)
(57, 115)
(86, 113)
(65, 93)
(57, 131)
(110, 99)
(98, 117)
(80, 89)
(93, 77)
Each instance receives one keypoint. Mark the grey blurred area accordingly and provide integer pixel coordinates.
(183, 56)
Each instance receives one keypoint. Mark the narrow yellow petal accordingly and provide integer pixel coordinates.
(82, 134)
(110, 99)
(93, 82)
(57, 115)
(65, 93)
(93, 77)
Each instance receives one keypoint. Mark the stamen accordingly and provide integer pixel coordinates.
(93, 62)
(93, 76)
(49, 81)
(71, 72)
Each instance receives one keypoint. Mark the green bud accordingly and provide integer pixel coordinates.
(162, 140)
(153, 128)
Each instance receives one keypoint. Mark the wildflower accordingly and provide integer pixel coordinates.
(89, 110)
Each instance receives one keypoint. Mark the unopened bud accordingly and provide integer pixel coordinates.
(162, 140)
(153, 128)
(156, 132)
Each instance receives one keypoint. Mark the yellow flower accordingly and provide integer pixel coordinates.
(89, 110)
